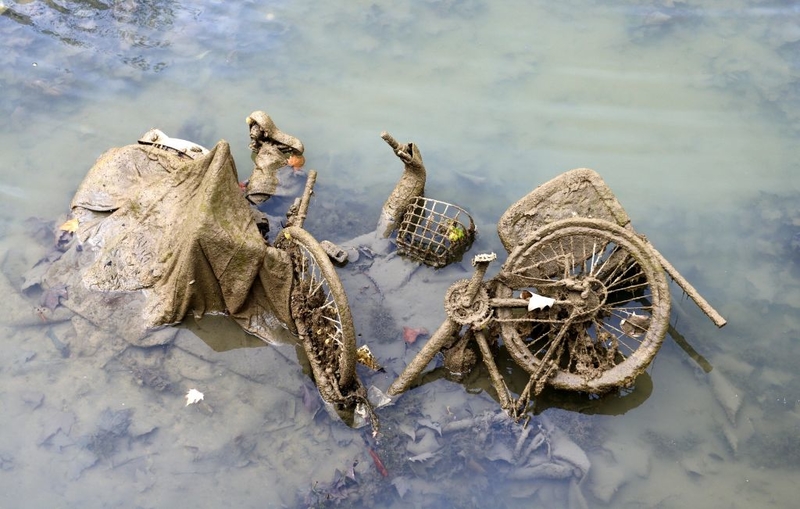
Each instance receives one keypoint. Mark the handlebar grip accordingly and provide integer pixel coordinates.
(390, 140)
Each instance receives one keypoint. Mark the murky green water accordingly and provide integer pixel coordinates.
(690, 111)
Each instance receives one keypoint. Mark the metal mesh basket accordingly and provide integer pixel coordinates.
(434, 232)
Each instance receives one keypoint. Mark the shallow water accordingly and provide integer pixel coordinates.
(689, 112)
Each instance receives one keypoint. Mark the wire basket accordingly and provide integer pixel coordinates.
(434, 232)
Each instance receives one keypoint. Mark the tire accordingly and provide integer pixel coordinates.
(613, 295)
(319, 306)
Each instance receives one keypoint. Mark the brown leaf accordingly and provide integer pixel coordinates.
(70, 225)
(51, 298)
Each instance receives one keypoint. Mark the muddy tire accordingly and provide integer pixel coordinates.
(614, 298)
(320, 309)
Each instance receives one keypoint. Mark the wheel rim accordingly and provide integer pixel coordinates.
(316, 305)
(318, 298)
(610, 292)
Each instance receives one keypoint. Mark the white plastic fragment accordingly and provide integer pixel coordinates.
(539, 302)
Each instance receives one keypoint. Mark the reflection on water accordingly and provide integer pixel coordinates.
(689, 111)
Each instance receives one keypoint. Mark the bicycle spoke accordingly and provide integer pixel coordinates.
(598, 274)
(319, 305)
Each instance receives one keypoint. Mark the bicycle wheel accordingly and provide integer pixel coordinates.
(320, 309)
(610, 294)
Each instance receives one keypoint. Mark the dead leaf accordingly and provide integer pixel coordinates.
(54, 422)
(63, 240)
(408, 430)
(365, 357)
(427, 423)
(421, 457)
(499, 451)
(70, 225)
(34, 276)
(193, 396)
(402, 485)
(635, 325)
(539, 302)
(426, 443)
(296, 161)
(51, 298)
(410, 334)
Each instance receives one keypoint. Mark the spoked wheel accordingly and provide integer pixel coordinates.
(321, 312)
(611, 308)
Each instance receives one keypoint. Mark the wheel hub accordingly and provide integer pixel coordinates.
(587, 295)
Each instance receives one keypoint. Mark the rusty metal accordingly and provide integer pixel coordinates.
(582, 303)
(434, 232)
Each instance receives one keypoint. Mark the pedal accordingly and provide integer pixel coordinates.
(334, 252)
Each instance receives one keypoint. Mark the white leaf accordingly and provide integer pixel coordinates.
(402, 484)
(408, 430)
(421, 457)
(498, 451)
(539, 302)
(427, 423)
(193, 396)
